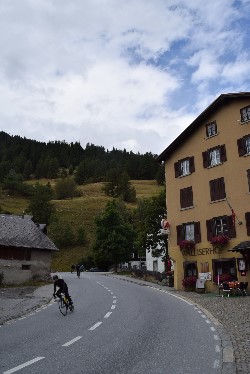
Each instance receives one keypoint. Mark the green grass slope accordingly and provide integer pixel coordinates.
(78, 211)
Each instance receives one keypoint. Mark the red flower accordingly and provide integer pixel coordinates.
(189, 282)
(187, 244)
(220, 241)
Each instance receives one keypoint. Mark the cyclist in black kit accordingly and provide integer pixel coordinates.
(63, 288)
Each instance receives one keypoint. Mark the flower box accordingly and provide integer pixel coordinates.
(189, 283)
(220, 241)
(187, 244)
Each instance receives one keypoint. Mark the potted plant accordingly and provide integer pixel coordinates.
(220, 241)
(186, 244)
(189, 283)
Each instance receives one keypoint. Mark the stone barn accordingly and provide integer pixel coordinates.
(25, 250)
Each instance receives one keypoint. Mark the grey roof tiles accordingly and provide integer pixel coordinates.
(21, 231)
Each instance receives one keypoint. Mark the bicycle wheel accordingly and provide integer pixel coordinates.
(71, 308)
(62, 307)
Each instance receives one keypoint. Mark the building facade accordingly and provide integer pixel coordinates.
(207, 169)
(25, 250)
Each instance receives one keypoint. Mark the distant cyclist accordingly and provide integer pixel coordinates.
(63, 288)
(78, 270)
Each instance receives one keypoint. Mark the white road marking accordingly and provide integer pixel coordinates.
(169, 293)
(114, 301)
(107, 315)
(207, 321)
(114, 297)
(216, 337)
(95, 326)
(72, 341)
(113, 306)
(212, 328)
(23, 365)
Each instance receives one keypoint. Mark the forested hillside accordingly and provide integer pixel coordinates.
(33, 159)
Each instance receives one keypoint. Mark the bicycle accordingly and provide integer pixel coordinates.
(63, 304)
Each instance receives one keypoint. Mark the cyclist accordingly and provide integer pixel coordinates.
(78, 272)
(63, 288)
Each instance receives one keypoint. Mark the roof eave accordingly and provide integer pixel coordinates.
(191, 128)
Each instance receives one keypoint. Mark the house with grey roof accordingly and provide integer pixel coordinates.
(25, 250)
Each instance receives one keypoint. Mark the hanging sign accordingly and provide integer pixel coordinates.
(165, 226)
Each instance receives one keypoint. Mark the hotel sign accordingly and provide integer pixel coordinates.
(200, 251)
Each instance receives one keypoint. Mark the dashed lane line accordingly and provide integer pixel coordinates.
(95, 326)
(19, 367)
(72, 341)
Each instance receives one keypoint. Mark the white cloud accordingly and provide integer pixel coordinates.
(117, 73)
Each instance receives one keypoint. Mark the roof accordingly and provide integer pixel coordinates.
(222, 99)
(241, 247)
(21, 231)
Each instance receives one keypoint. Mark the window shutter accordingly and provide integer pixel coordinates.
(212, 190)
(191, 165)
(182, 198)
(248, 179)
(197, 232)
(205, 156)
(221, 188)
(179, 233)
(176, 169)
(210, 233)
(223, 155)
(186, 197)
(241, 147)
(247, 216)
(231, 227)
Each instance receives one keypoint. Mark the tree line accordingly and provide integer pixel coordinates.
(33, 159)
(120, 231)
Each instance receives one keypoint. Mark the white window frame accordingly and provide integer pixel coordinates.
(245, 114)
(221, 226)
(214, 157)
(189, 231)
(247, 145)
(185, 167)
(211, 129)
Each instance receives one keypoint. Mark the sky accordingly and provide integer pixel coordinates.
(128, 74)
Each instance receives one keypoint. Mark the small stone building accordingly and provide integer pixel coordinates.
(25, 250)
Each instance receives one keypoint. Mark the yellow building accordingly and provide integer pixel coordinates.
(207, 169)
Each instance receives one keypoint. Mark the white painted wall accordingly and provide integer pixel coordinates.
(154, 263)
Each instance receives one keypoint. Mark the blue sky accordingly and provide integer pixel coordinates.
(127, 74)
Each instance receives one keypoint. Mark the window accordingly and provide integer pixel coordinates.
(15, 254)
(217, 189)
(245, 114)
(155, 265)
(244, 145)
(186, 197)
(222, 225)
(190, 269)
(211, 129)
(224, 266)
(214, 156)
(25, 267)
(184, 167)
(189, 231)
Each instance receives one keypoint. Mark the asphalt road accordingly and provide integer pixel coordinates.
(116, 328)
